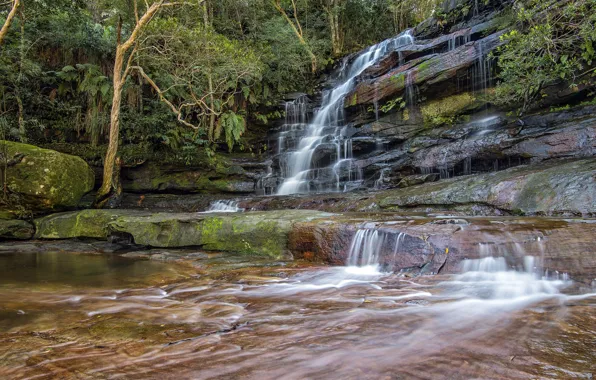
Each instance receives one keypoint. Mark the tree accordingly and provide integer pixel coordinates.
(11, 15)
(333, 10)
(123, 64)
(200, 75)
(297, 28)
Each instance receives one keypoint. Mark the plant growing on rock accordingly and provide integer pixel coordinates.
(553, 43)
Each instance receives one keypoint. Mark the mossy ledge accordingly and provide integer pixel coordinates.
(259, 233)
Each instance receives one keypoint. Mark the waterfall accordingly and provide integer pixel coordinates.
(366, 248)
(491, 277)
(327, 126)
(224, 206)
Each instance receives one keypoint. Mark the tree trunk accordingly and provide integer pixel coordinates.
(11, 16)
(21, 115)
(206, 14)
(212, 105)
(332, 11)
(107, 186)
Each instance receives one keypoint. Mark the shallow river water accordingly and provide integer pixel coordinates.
(73, 316)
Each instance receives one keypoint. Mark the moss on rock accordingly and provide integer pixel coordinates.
(446, 110)
(45, 179)
(86, 223)
(14, 229)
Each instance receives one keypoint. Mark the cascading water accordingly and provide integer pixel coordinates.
(224, 206)
(328, 127)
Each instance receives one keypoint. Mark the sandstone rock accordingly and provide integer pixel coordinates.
(553, 188)
(79, 224)
(45, 179)
(153, 178)
(430, 71)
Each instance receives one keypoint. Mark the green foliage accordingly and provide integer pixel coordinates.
(554, 44)
(226, 69)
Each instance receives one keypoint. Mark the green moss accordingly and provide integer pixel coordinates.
(399, 80)
(446, 110)
(46, 179)
(424, 66)
(68, 225)
(16, 229)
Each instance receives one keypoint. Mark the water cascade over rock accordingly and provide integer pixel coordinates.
(334, 170)
(224, 206)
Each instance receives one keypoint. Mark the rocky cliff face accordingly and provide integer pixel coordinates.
(422, 113)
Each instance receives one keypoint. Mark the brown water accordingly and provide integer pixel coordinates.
(77, 317)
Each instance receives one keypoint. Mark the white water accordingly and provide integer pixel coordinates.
(328, 126)
(224, 206)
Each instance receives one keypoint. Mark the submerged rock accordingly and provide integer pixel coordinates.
(45, 179)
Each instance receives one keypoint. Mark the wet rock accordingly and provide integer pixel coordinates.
(430, 71)
(553, 188)
(418, 179)
(13, 229)
(79, 224)
(45, 179)
(152, 178)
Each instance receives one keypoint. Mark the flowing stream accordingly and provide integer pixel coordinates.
(230, 316)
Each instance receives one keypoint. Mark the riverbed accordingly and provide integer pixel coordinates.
(221, 316)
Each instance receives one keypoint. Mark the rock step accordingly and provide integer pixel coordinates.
(412, 244)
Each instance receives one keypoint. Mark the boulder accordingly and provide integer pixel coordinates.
(44, 179)
(14, 229)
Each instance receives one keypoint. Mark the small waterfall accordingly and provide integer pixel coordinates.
(381, 181)
(296, 119)
(491, 277)
(327, 124)
(457, 41)
(410, 89)
(494, 279)
(365, 250)
(483, 75)
(224, 206)
(467, 166)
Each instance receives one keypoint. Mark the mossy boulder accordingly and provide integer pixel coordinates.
(14, 229)
(45, 179)
(86, 223)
